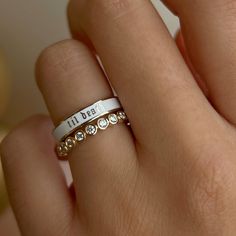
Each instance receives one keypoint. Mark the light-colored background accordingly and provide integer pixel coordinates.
(26, 27)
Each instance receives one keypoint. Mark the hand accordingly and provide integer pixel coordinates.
(175, 173)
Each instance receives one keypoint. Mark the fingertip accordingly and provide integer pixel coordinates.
(48, 59)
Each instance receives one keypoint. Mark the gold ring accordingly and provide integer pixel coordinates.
(89, 129)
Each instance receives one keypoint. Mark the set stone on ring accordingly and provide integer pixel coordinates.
(102, 124)
(90, 129)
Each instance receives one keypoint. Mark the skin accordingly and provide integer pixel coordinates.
(4, 88)
(174, 171)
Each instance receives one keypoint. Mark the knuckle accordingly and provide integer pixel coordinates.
(52, 50)
(9, 143)
(60, 59)
(228, 4)
(114, 5)
(228, 8)
(19, 136)
(113, 9)
(209, 193)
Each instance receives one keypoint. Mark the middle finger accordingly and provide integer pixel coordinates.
(143, 63)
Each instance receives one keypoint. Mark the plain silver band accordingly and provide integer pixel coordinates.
(88, 114)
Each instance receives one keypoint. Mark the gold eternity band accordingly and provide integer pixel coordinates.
(90, 129)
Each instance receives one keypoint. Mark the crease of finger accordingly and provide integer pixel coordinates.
(182, 48)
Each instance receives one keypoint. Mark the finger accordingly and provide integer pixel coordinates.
(208, 28)
(139, 55)
(182, 47)
(35, 182)
(69, 69)
(73, 26)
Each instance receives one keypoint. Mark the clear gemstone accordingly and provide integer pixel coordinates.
(80, 136)
(113, 119)
(121, 115)
(70, 143)
(102, 123)
(91, 129)
(62, 150)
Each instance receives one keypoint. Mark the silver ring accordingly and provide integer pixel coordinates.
(88, 114)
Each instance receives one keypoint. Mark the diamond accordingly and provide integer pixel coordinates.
(102, 123)
(62, 150)
(70, 143)
(80, 136)
(91, 129)
(121, 115)
(113, 119)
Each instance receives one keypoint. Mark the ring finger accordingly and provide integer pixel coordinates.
(70, 78)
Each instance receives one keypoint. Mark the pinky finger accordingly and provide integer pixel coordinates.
(37, 188)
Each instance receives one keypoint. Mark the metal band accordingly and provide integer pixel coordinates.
(88, 114)
(90, 129)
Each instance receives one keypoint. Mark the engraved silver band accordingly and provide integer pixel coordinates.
(88, 114)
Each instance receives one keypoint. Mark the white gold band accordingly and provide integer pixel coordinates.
(88, 114)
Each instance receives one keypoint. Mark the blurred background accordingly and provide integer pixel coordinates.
(26, 28)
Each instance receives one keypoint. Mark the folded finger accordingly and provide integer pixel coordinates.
(36, 185)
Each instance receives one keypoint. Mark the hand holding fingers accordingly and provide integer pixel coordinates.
(198, 130)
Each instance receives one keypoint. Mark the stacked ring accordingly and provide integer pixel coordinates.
(88, 114)
(87, 122)
(90, 129)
